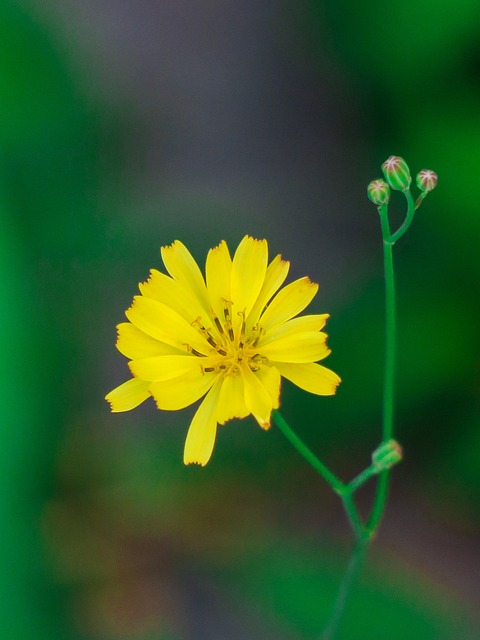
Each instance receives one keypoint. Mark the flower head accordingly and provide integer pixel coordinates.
(229, 337)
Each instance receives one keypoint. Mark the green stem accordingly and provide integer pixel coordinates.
(390, 356)
(363, 533)
(362, 477)
(343, 490)
(408, 220)
(353, 515)
(336, 484)
(390, 329)
(353, 567)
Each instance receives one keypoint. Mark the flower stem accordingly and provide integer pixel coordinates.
(408, 220)
(336, 484)
(390, 329)
(353, 515)
(362, 478)
(363, 532)
(342, 489)
(354, 564)
(390, 357)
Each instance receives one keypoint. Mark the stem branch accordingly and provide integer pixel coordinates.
(362, 478)
(343, 490)
(407, 222)
(363, 532)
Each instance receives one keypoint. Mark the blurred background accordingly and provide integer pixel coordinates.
(125, 125)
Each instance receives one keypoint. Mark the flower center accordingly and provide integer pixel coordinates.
(232, 345)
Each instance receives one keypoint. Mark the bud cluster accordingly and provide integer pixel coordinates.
(397, 176)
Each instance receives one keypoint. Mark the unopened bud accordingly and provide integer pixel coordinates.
(386, 455)
(397, 173)
(427, 180)
(379, 192)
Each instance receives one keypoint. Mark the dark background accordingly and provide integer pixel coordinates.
(125, 125)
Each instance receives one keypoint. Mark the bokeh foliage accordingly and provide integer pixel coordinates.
(105, 535)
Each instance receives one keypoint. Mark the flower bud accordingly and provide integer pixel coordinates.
(397, 173)
(379, 192)
(427, 180)
(386, 455)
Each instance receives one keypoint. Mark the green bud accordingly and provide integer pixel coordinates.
(386, 455)
(427, 180)
(397, 173)
(379, 192)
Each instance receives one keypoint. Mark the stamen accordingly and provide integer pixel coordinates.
(261, 332)
(258, 361)
(242, 313)
(193, 351)
(242, 330)
(218, 324)
(198, 323)
(222, 352)
(205, 333)
(228, 320)
(210, 340)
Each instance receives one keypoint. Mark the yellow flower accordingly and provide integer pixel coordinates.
(230, 336)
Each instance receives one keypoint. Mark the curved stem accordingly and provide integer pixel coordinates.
(408, 220)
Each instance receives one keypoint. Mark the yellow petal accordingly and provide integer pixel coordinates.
(308, 346)
(271, 380)
(218, 271)
(133, 343)
(275, 276)
(257, 398)
(313, 378)
(128, 395)
(182, 391)
(231, 403)
(203, 429)
(264, 423)
(172, 293)
(291, 327)
(289, 302)
(181, 266)
(163, 323)
(248, 274)
(161, 368)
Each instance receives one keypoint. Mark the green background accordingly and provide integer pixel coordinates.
(125, 126)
